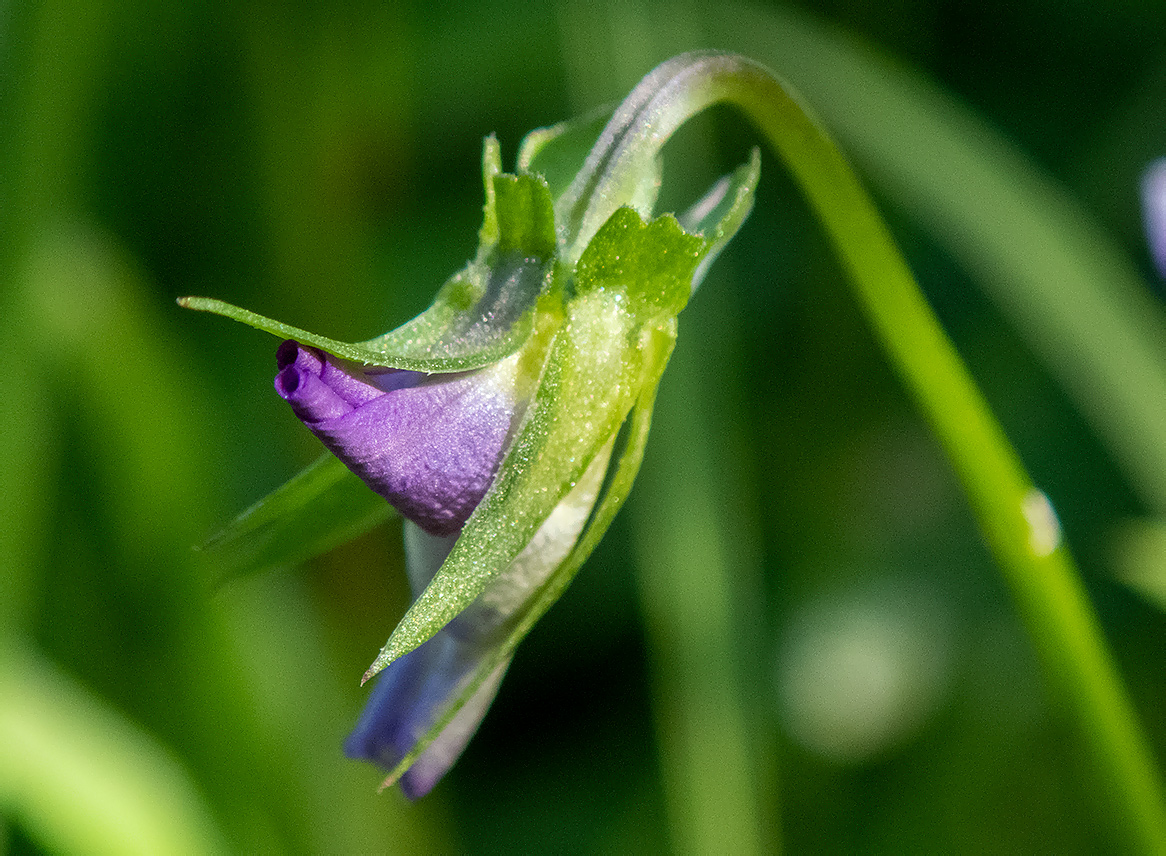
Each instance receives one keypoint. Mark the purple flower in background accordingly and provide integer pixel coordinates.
(429, 444)
(1154, 211)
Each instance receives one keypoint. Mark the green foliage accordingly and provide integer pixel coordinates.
(319, 509)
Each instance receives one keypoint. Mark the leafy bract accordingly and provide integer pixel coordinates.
(606, 313)
(651, 263)
(658, 344)
(483, 313)
(591, 380)
(634, 277)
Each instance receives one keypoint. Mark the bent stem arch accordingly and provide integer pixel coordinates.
(1016, 519)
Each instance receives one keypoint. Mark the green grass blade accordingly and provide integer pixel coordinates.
(322, 507)
(82, 779)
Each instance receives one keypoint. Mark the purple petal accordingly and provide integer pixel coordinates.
(1154, 211)
(410, 695)
(429, 444)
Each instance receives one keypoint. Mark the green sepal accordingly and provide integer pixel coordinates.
(526, 216)
(483, 313)
(658, 348)
(723, 210)
(652, 263)
(592, 378)
(322, 507)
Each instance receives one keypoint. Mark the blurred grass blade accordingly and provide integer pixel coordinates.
(319, 509)
(1071, 292)
(1140, 559)
(80, 779)
(696, 563)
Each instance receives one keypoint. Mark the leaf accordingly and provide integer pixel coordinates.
(1139, 558)
(652, 263)
(322, 507)
(81, 777)
(481, 315)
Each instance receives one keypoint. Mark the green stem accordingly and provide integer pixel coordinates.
(1015, 518)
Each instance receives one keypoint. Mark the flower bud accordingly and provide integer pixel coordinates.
(429, 444)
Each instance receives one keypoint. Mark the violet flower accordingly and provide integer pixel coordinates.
(507, 422)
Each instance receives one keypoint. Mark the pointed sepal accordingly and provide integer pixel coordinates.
(482, 314)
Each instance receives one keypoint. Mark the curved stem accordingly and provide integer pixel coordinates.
(1016, 519)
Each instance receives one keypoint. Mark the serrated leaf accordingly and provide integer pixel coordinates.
(652, 263)
(592, 378)
(322, 507)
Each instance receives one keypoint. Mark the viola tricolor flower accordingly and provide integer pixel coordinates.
(506, 423)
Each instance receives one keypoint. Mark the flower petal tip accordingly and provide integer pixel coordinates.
(430, 445)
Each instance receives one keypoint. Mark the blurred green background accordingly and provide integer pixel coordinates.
(319, 162)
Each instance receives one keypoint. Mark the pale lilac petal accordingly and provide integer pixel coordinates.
(429, 444)
(1154, 211)
(424, 555)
